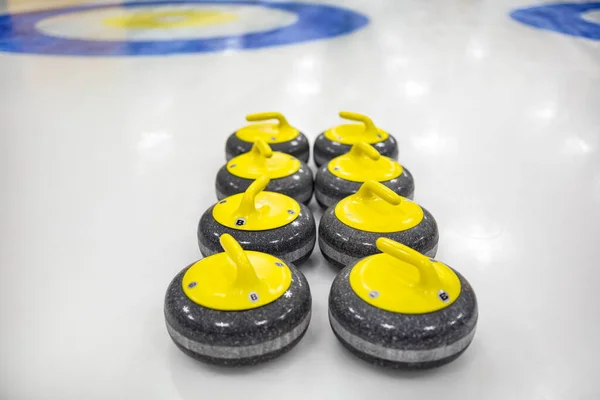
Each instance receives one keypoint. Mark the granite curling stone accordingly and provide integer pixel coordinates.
(402, 309)
(238, 307)
(338, 140)
(288, 175)
(281, 136)
(349, 229)
(267, 222)
(344, 175)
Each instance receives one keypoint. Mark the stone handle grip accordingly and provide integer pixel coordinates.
(428, 276)
(247, 205)
(362, 149)
(370, 189)
(352, 116)
(246, 275)
(265, 116)
(262, 149)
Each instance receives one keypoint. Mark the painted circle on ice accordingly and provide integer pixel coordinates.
(574, 19)
(172, 27)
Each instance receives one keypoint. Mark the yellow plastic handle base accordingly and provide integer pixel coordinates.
(372, 189)
(377, 208)
(236, 280)
(246, 276)
(262, 160)
(404, 281)
(256, 209)
(265, 116)
(364, 163)
(352, 116)
(429, 279)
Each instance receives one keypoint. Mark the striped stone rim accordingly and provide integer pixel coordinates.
(346, 260)
(397, 355)
(240, 352)
(327, 201)
(292, 255)
(306, 195)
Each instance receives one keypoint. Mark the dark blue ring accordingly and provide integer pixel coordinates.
(561, 17)
(18, 33)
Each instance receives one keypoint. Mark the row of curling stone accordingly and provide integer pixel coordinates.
(363, 189)
(284, 138)
(277, 224)
(397, 308)
(337, 179)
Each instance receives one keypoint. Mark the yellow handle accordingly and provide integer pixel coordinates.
(369, 125)
(264, 116)
(260, 148)
(428, 277)
(246, 275)
(362, 149)
(247, 205)
(371, 189)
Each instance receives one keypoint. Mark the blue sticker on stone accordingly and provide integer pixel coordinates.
(567, 18)
(19, 32)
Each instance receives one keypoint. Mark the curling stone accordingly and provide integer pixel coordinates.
(268, 222)
(344, 175)
(338, 140)
(402, 309)
(238, 307)
(348, 230)
(288, 175)
(280, 136)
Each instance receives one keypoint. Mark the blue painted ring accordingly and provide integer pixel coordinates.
(561, 17)
(18, 33)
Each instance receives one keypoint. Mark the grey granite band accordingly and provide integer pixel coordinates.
(301, 199)
(232, 352)
(220, 195)
(348, 260)
(404, 356)
(327, 201)
(292, 255)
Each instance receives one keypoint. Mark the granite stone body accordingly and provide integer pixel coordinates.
(299, 147)
(293, 242)
(329, 189)
(410, 341)
(299, 185)
(325, 150)
(343, 245)
(236, 338)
